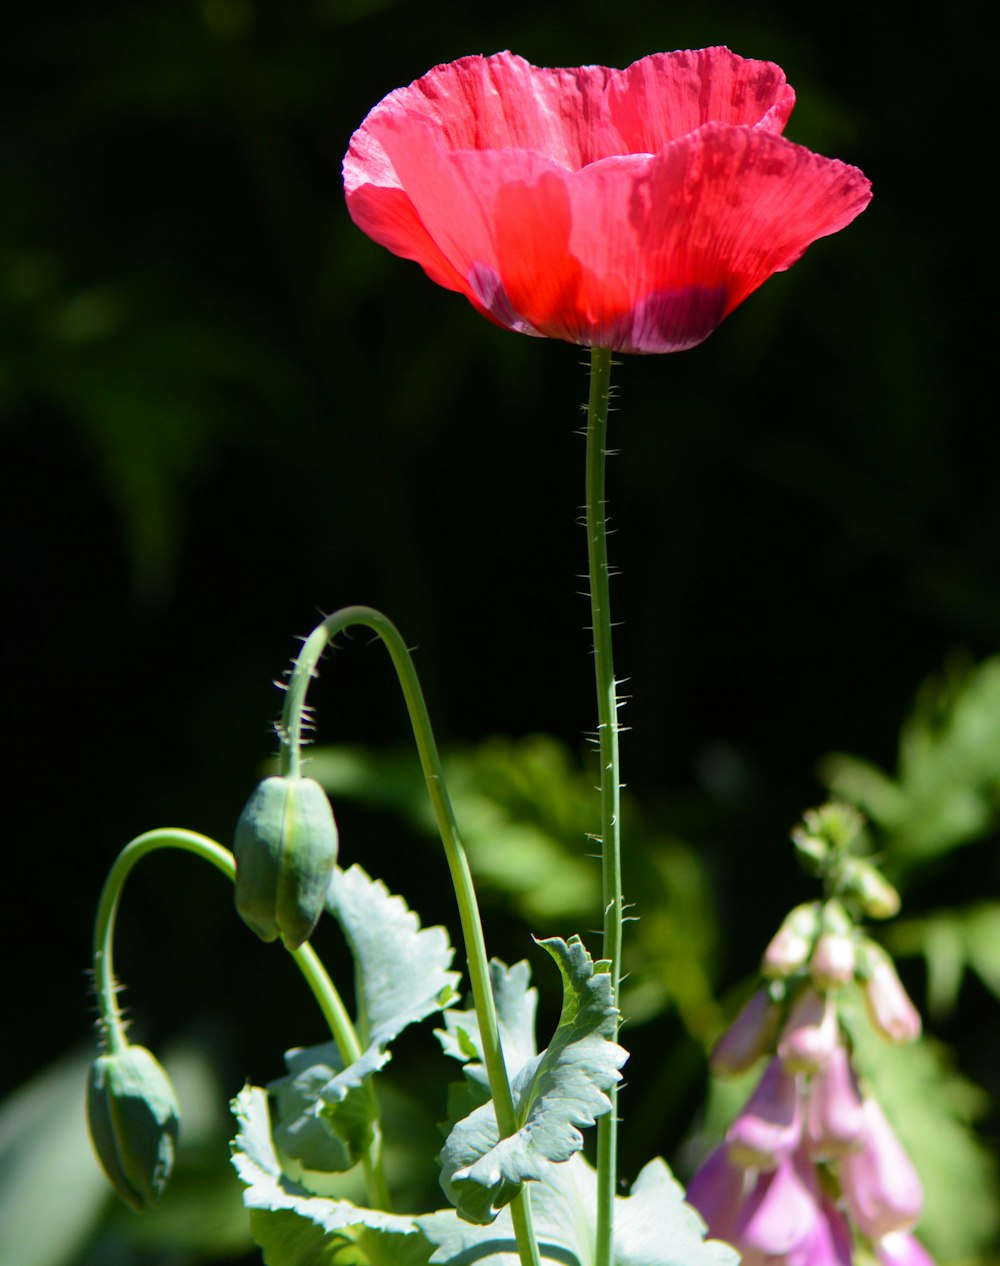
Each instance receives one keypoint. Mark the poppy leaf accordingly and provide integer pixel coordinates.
(555, 1094)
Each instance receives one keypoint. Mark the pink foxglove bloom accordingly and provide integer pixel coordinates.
(630, 209)
(718, 1191)
(779, 1215)
(879, 1182)
(827, 1244)
(833, 960)
(769, 1128)
(902, 1249)
(888, 1004)
(811, 1033)
(835, 1118)
(747, 1038)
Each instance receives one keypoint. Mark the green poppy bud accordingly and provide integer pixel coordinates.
(133, 1115)
(286, 849)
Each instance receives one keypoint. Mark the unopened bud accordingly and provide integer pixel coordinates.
(747, 1038)
(285, 849)
(888, 1004)
(811, 1033)
(833, 960)
(879, 899)
(133, 1116)
(792, 943)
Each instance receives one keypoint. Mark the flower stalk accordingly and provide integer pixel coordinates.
(607, 737)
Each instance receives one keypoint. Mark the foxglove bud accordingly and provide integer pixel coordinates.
(285, 849)
(899, 1248)
(770, 1126)
(811, 1033)
(747, 1038)
(878, 897)
(834, 1118)
(833, 960)
(791, 944)
(133, 1116)
(888, 1004)
(717, 1191)
(879, 1182)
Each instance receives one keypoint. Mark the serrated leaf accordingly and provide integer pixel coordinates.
(516, 1006)
(402, 970)
(555, 1095)
(325, 1118)
(296, 1228)
(653, 1226)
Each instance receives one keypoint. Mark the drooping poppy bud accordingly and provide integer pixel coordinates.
(748, 1037)
(888, 1004)
(133, 1116)
(285, 849)
(770, 1126)
(834, 1117)
(792, 944)
(881, 1186)
(811, 1033)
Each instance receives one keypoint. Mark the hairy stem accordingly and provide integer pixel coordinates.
(607, 730)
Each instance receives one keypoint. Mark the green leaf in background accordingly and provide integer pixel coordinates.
(555, 1094)
(952, 942)
(653, 1226)
(946, 791)
(933, 1109)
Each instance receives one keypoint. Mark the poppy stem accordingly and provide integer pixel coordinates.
(607, 731)
(290, 735)
(306, 959)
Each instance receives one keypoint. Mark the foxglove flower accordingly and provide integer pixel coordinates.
(627, 209)
(879, 1182)
(792, 944)
(834, 1115)
(833, 960)
(810, 1034)
(780, 1214)
(747, 1038)
(888, 1004)
(827, 1244)
(718, 1190)
(769, 1128)
(902, 1249)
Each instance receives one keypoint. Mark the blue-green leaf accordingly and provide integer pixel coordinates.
(401, 969)
(653, 1226)
(324, 1113)
(555, 1095)
(294, 1227)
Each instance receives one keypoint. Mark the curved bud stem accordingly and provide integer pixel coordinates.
(290, 736)
(308, 962)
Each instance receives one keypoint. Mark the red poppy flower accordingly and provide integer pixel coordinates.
(630, 209)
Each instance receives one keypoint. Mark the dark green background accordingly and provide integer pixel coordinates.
(224, 411)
